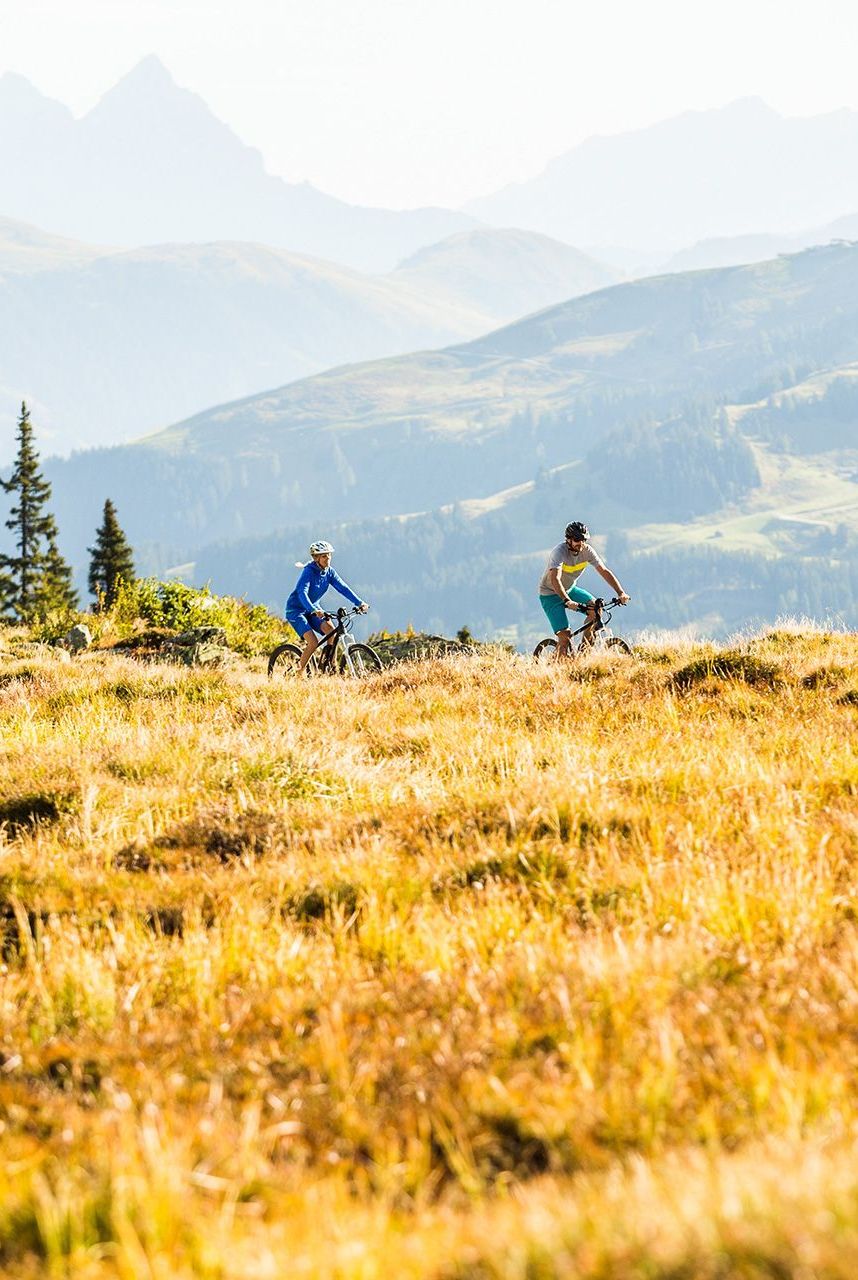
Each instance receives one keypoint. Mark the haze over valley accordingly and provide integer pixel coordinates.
(120, 342)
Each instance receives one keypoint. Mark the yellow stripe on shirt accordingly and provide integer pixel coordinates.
(573, 568)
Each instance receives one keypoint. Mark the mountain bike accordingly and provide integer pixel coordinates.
(338, 654)
(602, 636)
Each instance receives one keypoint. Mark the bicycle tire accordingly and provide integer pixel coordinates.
(365, 661)
(544, 651)
(619, 645)
(285, 659)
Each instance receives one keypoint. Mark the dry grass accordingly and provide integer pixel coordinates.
(471, 971)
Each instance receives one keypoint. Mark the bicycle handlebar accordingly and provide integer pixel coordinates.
(599, 604)
(342, 613)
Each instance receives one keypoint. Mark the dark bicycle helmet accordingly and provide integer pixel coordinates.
(577, 531)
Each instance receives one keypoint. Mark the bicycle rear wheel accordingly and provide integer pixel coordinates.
(545, 651)
(619, 645)
(284, 660)
(364, 661)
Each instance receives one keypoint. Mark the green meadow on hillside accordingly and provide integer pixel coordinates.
(471, 970)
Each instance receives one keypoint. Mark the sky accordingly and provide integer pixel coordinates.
(401, 103)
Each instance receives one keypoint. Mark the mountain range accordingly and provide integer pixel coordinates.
(740, 170)
(732, 251)
(151, 163)
(704, 420)
(627, 405)
(106, 344)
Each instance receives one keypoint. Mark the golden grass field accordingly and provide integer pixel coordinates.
(471, 970)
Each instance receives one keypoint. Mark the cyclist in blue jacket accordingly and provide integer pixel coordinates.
(302, 612)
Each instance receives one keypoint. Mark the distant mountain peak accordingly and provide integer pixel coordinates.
(20, 95)
(148, 79)
(750, 104)
(148, 71)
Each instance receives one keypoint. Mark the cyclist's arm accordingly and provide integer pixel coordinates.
(345, 590)
(612, 582)
(557, 583)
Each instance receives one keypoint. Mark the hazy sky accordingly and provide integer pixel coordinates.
(403, 102)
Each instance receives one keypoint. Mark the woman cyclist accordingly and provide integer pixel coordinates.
(302, 612)
(557, 591)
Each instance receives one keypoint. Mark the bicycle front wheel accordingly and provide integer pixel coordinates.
(545, 651)
(619, 645)
(361, 661)
(284, 660)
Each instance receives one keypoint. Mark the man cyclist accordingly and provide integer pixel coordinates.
(302, 612)
(557, 591)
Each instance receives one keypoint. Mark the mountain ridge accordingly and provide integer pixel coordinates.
(730, 171)
(150, 162)
(108, 342)
(417, 431)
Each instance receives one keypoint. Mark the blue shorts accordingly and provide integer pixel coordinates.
(303, 622)
(555, 609)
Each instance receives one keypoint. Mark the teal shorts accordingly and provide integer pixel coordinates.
(555, 609)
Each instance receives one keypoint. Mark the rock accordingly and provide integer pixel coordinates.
(203, 655)
(200, 647)
(77, 639)
(201, 635)
(413, 648)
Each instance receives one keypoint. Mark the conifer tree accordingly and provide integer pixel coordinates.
(59, 592)
(111, 559)
(36, 579)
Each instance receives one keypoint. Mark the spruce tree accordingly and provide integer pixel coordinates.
(111, 559)
(59, 593)
(36, 579)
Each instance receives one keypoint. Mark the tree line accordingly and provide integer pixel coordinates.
(35, 580)
(444, 569)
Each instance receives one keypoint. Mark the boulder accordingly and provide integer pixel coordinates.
(200, 647)
(77, 639)
(413, 648)
(201, 635)
(203, 654)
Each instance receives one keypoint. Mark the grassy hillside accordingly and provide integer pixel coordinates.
(418, 431)
(25, 249)
(468, 970)
(504, 274)
(115, 343)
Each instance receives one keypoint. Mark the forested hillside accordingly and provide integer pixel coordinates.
(441, 571)
(663, 391)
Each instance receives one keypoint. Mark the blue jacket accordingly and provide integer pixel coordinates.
(312, 585)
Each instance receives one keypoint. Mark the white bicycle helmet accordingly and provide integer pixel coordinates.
(321, 548)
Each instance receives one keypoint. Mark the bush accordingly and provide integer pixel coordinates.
(250, 628)
(727, 665)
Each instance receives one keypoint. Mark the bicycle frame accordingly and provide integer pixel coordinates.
(601, 630)
(339, 638)
(600, 637)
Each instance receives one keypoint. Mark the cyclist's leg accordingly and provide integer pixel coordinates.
(308, 627)
(555, 611)
(582, 597)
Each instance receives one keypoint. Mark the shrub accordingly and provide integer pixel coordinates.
(250, 628)
(730, 664)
